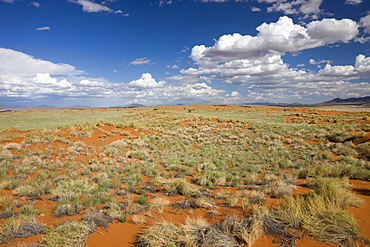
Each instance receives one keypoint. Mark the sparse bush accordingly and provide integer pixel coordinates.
(319, 211)
(72, 190)
(245, 230)
(141, 154)
(5, 155)
(98, 219)
(62, 210)
(178, 186)
(257, 197)
(160, 202)
(160, 235)
(340, 136)
(81, 134)
(138, 219)
(142, 200)
(12, 146)
(280, 188)
(335, 192)
(333, 226)
(113, 151)
(69, 233)
(31, 161)
(19, 228)
(118, 144)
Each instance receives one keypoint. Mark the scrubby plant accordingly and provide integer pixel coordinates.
(72, 190)
(81, 134)
(95, 165)
(69, 233)
(29, 211)
(160, 202)
(32, 161)
(97, 218)
(161, 234)
(114, 210)
(333, 226)
(5, 155)
(21, 227)
(343, 136)
(245, 230)
(319, 212)
(27, 190)
(66, 209)
(138, 219)
(7, 203)
(178, 186)
(142, 200)
(12, 146)
(257, 197)
(140, 154)
(335, 192)
(280, 188)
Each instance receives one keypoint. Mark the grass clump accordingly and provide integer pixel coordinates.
(99, 219)
(195, 232)
(161, 234)
(319, 212)
(19, 228)
(69, 233)
(281, 188)
(335, 193)
(336, 171)
(231, 231)
(66, 209)
(178, 186)
(246, 230)
(333, 226)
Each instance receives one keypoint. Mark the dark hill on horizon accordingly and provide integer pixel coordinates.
(358, 102)
(350, 101)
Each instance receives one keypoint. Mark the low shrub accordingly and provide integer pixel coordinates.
(333, 226)
(62, 210)
(69, 233)
(178, 186)
(319, 212)
(19, 228)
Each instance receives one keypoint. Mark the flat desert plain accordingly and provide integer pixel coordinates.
(185, 175)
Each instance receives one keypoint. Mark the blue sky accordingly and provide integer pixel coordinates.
(163, 52)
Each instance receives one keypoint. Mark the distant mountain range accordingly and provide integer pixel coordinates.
(14, 107)
(359, 102)
(351, 101)
(38, 107)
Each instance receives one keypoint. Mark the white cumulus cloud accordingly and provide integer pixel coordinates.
(360, 69)
(90, 7)
(257, 61)
(330, 31)
(280, 37)
(146, 81)
(25, 77)
(20, 64)
(365, 23)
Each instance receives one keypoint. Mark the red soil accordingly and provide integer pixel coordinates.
(125, 234)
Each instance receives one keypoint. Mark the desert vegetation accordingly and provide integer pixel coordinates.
(207, 175)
